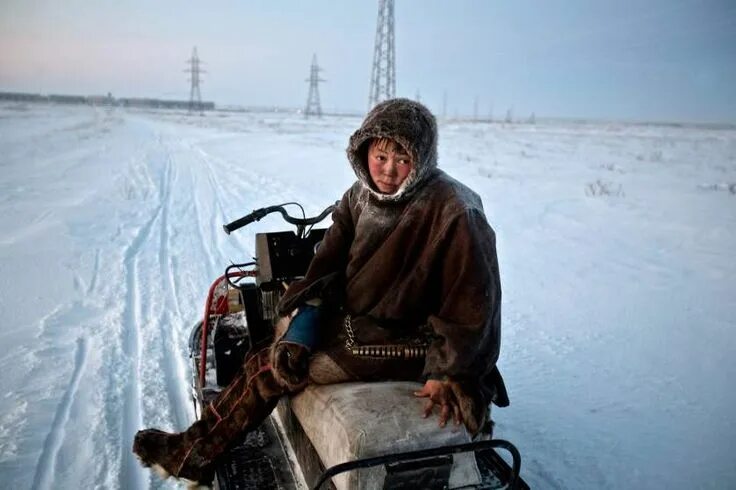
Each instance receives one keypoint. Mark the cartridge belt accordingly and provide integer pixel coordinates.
(383, 351)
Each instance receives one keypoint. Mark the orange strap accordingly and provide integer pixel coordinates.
(262, 369)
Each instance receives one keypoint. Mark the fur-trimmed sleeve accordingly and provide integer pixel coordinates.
(467, 323)
(327, 269)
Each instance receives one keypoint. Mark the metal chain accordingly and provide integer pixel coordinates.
(350, 341)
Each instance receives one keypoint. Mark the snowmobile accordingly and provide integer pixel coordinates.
(326, 436)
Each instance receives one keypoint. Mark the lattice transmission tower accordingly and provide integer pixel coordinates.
(313, 105)
(194, 70)
(383, 74)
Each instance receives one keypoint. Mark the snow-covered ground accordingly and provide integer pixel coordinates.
(616, 245)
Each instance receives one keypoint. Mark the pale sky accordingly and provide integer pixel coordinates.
(663, 60)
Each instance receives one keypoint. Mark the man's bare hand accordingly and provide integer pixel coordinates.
(440, 394)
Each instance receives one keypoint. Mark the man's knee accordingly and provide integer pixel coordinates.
(294, 367)
(323, 370)
(290, 365)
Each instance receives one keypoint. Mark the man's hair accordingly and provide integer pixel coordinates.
(387, 143)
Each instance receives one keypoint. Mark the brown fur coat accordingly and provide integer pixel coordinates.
(421, 262)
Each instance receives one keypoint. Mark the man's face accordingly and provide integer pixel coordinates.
(389, 165)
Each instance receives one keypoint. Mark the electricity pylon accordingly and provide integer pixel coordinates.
(383, 74)
(313, 106)
(509, 116)
(195, 97)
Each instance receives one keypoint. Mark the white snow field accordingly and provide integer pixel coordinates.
(616, 244)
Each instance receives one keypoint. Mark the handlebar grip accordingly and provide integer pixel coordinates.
(245, 220)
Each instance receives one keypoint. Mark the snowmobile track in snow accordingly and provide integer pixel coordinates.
(199, 224)
(46, 467)
(130, 470)
(173, 370)
(152, 312)
(95, 273)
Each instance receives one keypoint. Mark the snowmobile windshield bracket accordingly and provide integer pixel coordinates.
(259, 214)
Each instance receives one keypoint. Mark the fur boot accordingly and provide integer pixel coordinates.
(192, 455)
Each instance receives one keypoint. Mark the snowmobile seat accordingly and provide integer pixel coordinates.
(349, 421)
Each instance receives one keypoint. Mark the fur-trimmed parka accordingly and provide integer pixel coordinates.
(417, 263)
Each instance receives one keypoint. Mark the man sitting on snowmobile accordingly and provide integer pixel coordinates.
(404, 286)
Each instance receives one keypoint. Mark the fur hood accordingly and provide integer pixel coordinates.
(411, 125)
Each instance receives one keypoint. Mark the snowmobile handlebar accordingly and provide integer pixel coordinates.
(261, 213)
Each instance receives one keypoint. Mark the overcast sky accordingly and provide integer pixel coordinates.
(619, 59)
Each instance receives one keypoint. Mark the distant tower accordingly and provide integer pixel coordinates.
(475, 109)
(383, 74)
(418, 96)
(195, 97)
(313, 106)
(444, 105)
